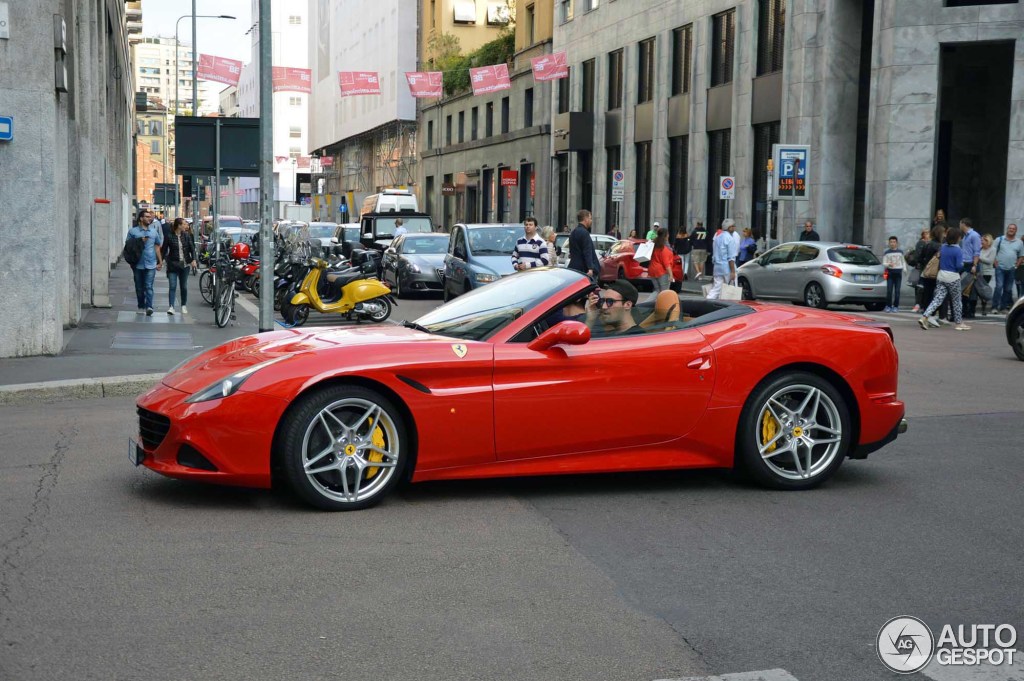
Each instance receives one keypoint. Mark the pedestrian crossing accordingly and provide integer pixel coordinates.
(934, 671)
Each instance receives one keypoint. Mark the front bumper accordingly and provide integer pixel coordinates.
(226, 441)
(422, 281)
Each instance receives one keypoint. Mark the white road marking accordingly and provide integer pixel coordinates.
(982, 672)
(767, 675)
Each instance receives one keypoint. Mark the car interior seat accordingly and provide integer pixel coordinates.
(666, 310)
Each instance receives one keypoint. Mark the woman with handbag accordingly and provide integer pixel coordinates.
(181, 258)
(928, 261)
(947, 283)
(659, 269)
(915, 261)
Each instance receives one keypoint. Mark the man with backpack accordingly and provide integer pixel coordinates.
(143, 245)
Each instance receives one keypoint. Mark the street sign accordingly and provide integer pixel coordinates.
(448, 189)
(790, 161)
(6, 128)
(618, 185)
(509, 178)
(727, 188)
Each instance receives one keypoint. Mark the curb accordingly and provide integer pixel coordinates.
(78, 389)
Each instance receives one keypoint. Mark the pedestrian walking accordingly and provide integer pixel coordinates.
(181, 260)
(970, 245)
(531, 250)
(683, 247)
(1009, 257)
(809, 234)
(930, 251)
(986, 270)
(549, 235)
(723, 249)
(659, 269)
(914, 258)
(895, 264)
(652, 233)
(582, 254)
(150, 261)
(747, 247)
(699, 255)
(951, 261)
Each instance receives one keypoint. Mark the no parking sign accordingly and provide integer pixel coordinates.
(727, 188)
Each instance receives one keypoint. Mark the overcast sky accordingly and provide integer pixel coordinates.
(221, 37)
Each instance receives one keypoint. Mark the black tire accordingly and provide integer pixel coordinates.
(295, 315)
(256, 287)
(206, 286)
(814, 296)
(279, 297)
(874, 307)
(384, 314)
(303, 431)
(398, 286)
(748, 293)
(758, 423)
(225, 303)
(1015, 334)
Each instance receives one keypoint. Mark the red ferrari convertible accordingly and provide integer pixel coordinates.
(343, 415)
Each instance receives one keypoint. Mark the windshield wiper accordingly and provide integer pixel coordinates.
(413, 325)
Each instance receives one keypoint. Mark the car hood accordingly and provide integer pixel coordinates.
(495, 264)
(242, 353)
(426, 261)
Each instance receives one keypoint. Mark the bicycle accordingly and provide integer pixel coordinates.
(224, 292)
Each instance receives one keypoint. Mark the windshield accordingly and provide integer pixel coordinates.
(322, 231)
(500, 240)
(852, 256)
(350, 233)
(229, 222)
(424, 246)
(386, 226)
(483, 311)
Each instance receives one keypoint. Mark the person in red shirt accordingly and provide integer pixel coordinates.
(660, 268)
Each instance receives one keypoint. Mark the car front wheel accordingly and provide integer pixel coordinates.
(794, 432)
(342, 448)
(1017, 335)
(748, 293)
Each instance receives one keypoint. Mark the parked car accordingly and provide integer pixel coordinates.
(478, 254)
(620, 264)
(347, 235)
(415, 262)
(602, 243)
(324, 232)
(222, 221)
(1015, 328)
(818, 274)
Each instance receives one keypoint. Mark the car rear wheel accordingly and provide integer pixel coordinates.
(342, 448)
(748, 293)
(1017, 335)
(874, 307)
(814, 296)
(795, 431)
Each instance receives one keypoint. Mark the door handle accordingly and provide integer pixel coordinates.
(700, 364)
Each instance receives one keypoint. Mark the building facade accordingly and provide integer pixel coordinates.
(885, 92)
(66, 80)
(155, 72)
(487, 158)
(154, 157)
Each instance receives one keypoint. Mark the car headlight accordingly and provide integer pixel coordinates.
(485, 278)
(414, 269)
(229, 385)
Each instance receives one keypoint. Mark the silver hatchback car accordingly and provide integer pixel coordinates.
(817, 273)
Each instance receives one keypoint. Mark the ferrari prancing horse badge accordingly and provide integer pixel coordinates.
(460, 350)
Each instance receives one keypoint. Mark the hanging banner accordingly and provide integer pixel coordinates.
(219, 69)
(303, 162)
(487, 79)
(550, 67)
(425, 83)
(509, 178)
(358, 83)
(292, 79)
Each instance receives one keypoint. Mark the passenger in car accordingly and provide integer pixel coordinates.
(611, 314)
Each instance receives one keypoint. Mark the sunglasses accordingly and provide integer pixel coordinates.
(608, 302)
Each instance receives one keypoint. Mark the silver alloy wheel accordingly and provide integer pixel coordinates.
(808, 432)
(814, 295)
(338, 450)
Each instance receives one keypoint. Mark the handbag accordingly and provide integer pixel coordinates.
(730, 292)
(931, 270)
(643, 253)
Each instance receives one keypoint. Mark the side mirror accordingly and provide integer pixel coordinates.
(334, 240)
(368, 236)
(563, 333)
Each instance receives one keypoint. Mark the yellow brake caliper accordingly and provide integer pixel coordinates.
(378, 441)
(769, 427)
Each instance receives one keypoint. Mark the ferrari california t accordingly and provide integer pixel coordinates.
(343, 415)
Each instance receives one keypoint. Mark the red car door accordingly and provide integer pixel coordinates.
(608, 394)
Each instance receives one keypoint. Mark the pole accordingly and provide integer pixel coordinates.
(197, 225)
(768, 209)
(266, 321)
(216, 182)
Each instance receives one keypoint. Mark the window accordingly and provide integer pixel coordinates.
(294, 152)
(642, 215)
(462, 126)
(430, 134)
(295, 101)
(563, 93)
(155, 174)
(613, 162)
(645, 77)
(295, 20)
(682, 47)
(154, 147)
(771, 32)
(587, 103)
(465, 11)
(565, 10)
(765, 135)
(504, 115)
(531, 25)
(585, 171)
(498, 14)
(615, 80)
(474, 123)
(448, 130)
(447, 201)
(489, 119)
(430, 195)
(156, 127)
(723, 27)
(563, 189)
(719, 151)
(528, 108)
(294, 131)
(527, 189)
(678, 178)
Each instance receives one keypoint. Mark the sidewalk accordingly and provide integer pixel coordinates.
(120, 342)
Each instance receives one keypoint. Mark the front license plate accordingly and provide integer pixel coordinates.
(869, 278)
(135, 452)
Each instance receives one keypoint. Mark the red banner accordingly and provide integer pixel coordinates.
(425, 83)
(487, 79)
(509, 178)
(550, 67)
(326, 161)
(292, 79)
(303, 162)
(358, 83)
(219, 69)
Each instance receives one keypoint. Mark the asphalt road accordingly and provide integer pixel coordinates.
(111, 572)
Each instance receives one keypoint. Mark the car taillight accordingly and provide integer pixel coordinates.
(832, 271)
(885, 274)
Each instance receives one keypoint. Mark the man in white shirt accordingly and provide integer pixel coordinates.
(724, 251)
(399, 228)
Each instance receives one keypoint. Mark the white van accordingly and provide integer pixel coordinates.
(390, 201)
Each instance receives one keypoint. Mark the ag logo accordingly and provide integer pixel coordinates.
(460, 350)
(904, 645)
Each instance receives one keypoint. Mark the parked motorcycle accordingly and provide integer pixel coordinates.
(349, 292)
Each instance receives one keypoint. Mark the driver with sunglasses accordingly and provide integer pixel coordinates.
(611, 313)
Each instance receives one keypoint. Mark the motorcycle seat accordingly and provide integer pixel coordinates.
(340, 279)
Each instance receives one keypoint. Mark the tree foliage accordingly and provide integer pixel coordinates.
(444, 54)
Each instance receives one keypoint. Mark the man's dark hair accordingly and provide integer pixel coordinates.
(892, 236)
(967, 221)
(952, 237)
(142, 214)
(624, 289)
(529, 218)
(582, 215)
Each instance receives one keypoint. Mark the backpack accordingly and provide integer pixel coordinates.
(132, 252)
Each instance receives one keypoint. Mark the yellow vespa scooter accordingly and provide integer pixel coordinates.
(350, 293)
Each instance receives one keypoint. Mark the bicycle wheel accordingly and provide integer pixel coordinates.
(225, 302)
(206, 286)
